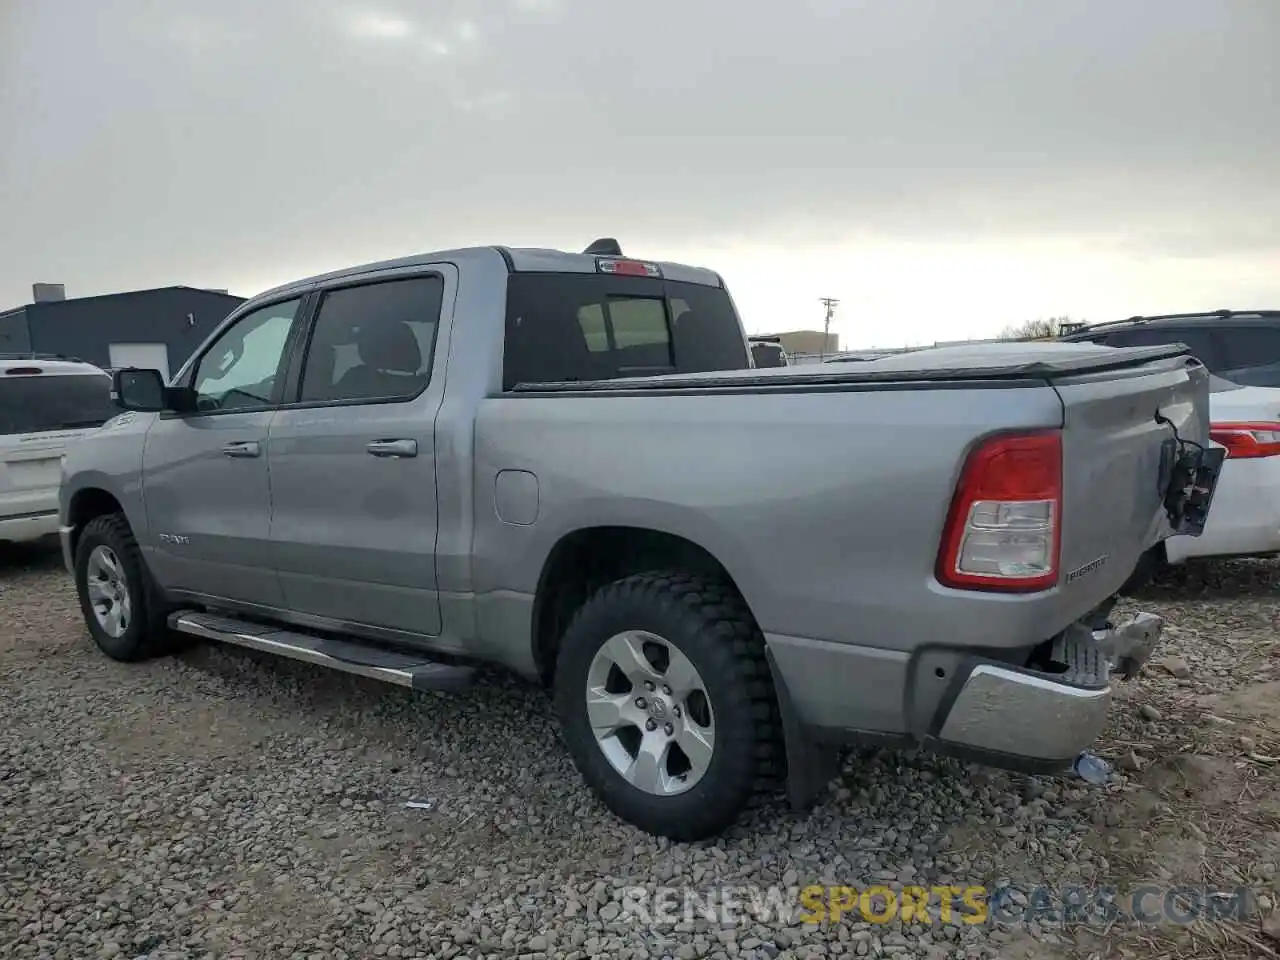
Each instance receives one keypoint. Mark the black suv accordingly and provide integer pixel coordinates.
(1241, 347)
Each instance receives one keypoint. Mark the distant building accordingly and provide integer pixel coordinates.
(141, 328)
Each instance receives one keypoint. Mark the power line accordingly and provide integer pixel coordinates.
(830, 303)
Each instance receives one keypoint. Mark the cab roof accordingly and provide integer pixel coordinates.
(514, 259)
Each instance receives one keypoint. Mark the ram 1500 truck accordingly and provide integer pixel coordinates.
(552, 462)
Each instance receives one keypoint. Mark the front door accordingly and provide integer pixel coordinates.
(205, 481)
(352, 458)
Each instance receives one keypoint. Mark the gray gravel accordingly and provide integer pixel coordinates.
(220, 804)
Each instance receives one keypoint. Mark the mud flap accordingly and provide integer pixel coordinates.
(810, 765)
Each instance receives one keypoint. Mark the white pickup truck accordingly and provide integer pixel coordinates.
(558, 462)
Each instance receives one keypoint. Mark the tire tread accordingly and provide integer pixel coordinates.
(724, 614)
(153, 638)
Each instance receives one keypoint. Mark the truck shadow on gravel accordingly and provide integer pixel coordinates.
(1209, 580)
(29, 558)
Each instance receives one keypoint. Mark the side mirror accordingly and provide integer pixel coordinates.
(144, 391)
(141, 390)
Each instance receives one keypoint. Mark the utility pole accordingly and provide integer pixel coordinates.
(830, 303)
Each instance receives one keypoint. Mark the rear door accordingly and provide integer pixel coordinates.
(40, 414)
(353, 458)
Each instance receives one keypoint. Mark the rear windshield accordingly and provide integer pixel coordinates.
(1247, 356)
(38, 402)
(565, 327)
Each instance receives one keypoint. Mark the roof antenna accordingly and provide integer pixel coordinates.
(604, 247)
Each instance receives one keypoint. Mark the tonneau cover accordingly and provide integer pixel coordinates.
(1045, 361)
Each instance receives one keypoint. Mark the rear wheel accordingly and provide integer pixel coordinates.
(121, 608)
(668, 710)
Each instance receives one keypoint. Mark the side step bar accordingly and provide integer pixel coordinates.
(405, 670)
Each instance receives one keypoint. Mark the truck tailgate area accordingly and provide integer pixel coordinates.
(1120, 438)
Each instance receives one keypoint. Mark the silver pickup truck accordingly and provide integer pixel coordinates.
(565, 464)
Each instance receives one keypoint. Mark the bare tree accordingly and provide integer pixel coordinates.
(1041, 329)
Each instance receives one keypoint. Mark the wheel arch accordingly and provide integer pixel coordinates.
(87, 503)
(587, 558)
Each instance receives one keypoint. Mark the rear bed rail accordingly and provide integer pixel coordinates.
(830, 375)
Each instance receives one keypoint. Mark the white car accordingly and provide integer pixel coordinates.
(1245, 519)
(1242, 351)
(45, 405)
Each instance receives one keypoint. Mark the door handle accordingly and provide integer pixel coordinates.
(393, 448)
(242, 448)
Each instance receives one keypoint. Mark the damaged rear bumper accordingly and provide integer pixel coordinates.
(1047, 716)
(1033, 719)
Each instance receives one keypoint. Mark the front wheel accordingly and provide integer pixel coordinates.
(668, 710)
(124, 616)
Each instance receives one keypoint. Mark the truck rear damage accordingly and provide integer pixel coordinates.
(1067, 511)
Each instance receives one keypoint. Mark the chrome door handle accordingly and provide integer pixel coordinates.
(393, 448)
(242, 448)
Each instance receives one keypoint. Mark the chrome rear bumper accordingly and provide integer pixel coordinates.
(1018, 712)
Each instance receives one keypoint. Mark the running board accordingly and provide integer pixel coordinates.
(405, 670)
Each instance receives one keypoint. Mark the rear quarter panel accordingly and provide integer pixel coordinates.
(825, 507)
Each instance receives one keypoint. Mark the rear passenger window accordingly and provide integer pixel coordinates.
(573, 327)
(374, 341)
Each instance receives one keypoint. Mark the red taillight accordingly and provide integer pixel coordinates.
(1003, 529)
(1247, 441)
(22, 371)
(628, 268)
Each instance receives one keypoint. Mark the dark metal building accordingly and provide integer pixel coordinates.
(142, 328)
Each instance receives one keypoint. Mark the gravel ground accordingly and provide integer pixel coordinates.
(220, 804)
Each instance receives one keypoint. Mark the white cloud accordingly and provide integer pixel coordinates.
(943, 168)
(381, 27)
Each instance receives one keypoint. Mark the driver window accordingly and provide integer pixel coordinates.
(239, 369)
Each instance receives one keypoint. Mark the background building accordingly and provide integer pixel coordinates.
(142, 328)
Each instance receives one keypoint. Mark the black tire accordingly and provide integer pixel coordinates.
(147, 634)
(711, 625)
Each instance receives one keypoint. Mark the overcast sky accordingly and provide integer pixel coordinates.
(944, 167)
